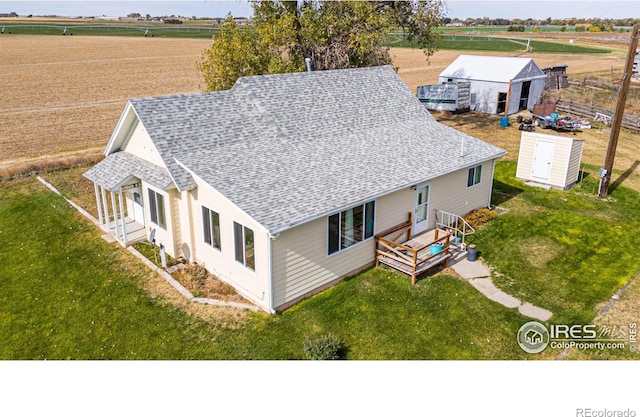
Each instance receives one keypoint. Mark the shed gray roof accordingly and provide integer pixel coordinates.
(289, 148)
(118, 168)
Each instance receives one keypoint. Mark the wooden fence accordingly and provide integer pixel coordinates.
(629, 121)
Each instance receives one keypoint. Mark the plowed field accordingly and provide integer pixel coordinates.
(63, 95)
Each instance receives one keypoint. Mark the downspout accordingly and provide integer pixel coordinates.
(270, 238)
(493, 169)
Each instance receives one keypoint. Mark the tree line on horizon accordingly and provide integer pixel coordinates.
(530, 22)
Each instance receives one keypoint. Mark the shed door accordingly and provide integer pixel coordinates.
(542, 159)
(524, 95)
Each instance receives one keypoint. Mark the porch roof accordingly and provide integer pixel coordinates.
(118, 168)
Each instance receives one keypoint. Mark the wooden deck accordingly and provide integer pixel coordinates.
(412, 255)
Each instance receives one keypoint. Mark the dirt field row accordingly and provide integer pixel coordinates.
(64, 95)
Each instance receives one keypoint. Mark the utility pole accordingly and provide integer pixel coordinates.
(616, 123)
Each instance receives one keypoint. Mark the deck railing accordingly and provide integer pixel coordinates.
(410, 257)
(456, 224)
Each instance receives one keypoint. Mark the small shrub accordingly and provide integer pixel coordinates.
(480, 216)
(515, 28)
(199, 276)
(325, 347)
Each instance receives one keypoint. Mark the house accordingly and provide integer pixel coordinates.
(499, 85)
(279, 184)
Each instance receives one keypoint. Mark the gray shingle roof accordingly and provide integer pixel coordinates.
(289, 148)
(117, 168)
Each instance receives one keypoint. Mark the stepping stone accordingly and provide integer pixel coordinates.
(532, 311)
(470, 270)
(486, 287)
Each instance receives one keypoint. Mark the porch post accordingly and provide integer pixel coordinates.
(97, 191)
(105, 206)
(124, 220)
(115, 214)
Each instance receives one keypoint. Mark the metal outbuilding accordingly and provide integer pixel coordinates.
(499, 85)
(551, 160)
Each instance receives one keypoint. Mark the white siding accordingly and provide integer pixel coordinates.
(525, 157)
(254, 285)
(450, 192)
(573, 171)
(565, 164)
(140, 145)
(300, 260)
(163, 236)
(486, 94)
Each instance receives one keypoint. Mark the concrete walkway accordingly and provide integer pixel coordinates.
(479, 275)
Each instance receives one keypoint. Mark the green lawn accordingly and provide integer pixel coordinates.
(66, 293)
(564, 251)
(155, 30)
(482, 42)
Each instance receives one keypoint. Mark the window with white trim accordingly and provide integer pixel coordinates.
(244, 245)
(156, 209)
(211, 227)
(350, 227)
(475, 175)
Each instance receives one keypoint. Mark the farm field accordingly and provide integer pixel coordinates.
(62, 96)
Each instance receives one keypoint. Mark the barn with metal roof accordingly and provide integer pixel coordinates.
(499, 84)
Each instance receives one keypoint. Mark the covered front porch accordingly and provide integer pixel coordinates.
(118, 184)
(412, 255)
(116, 217)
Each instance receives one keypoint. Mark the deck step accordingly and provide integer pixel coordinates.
(402, 267)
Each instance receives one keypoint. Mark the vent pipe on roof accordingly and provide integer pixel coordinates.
(308, 62)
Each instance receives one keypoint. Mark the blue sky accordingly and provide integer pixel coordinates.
(508, 9)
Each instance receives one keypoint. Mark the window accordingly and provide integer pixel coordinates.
(244, 245)
(211, 227)
(475, 175)
(156, 209)
(350, 227)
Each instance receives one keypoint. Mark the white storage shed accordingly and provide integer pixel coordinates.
(499, 85)
(549, 159)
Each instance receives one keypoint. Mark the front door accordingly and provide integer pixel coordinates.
(138, 211)
(542, 160)
(421, 212)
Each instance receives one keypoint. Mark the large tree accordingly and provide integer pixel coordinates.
(333, 34)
